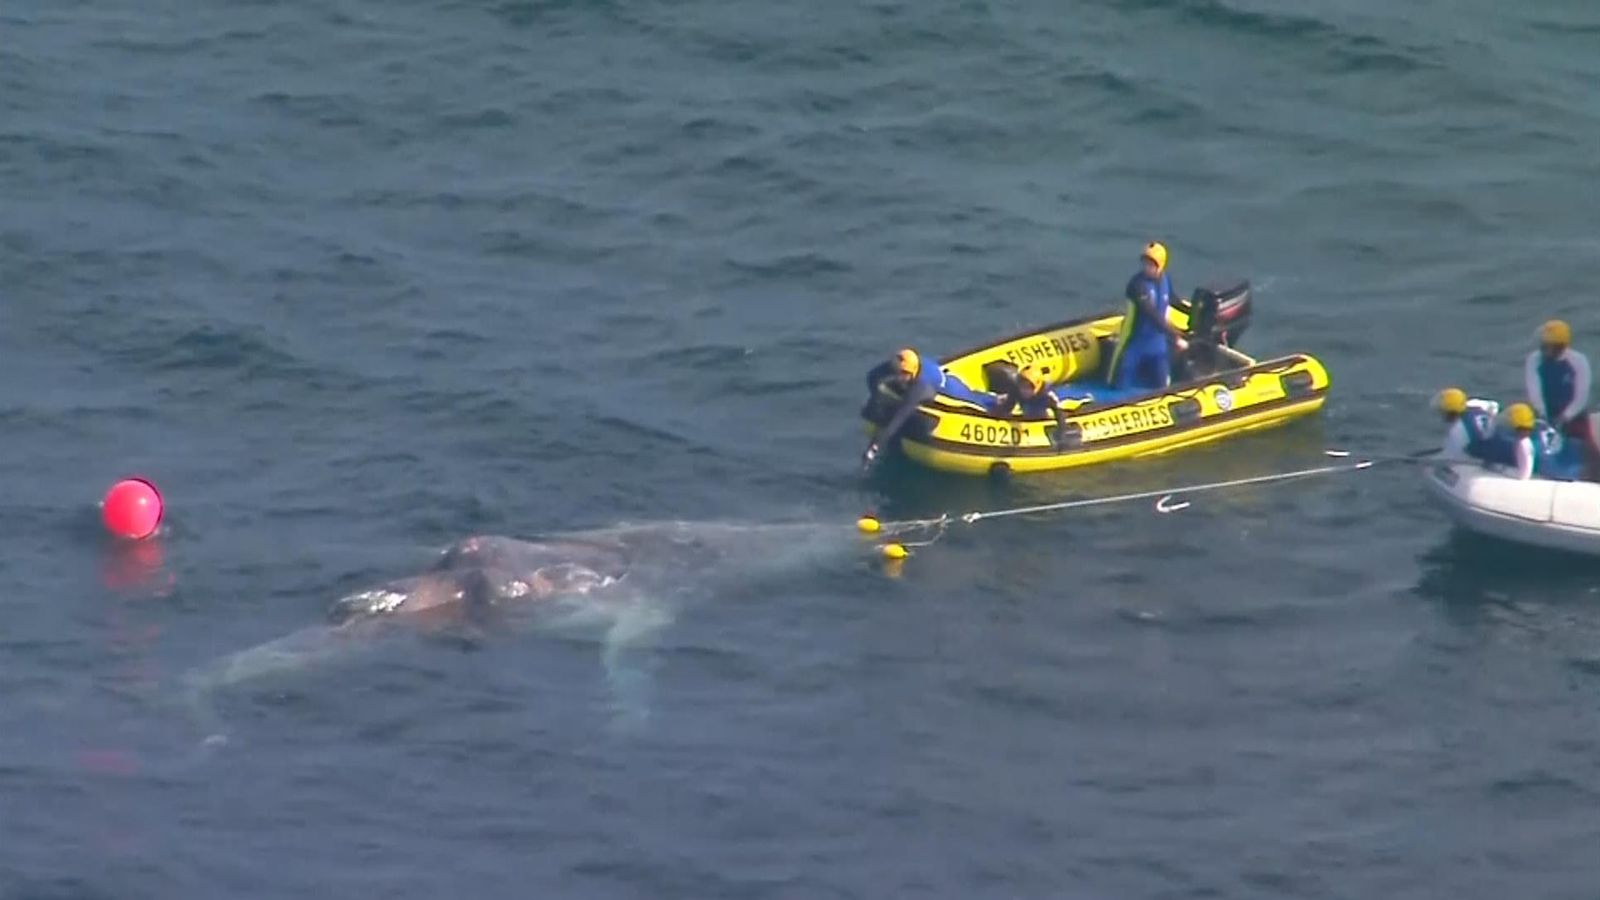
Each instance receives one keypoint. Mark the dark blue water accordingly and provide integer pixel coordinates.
(350, 280)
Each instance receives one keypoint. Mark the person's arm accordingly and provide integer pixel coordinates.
(1535, 387)
(1580, 388)
(1061, 420)
(1002, 404)
(916, 395)
(1524, 458)
(1455, 442)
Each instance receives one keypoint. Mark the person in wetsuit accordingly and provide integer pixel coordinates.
(1470, 425)
(1558, 379)
(1031, 399)
(1529, 449)
(918, 382)
(1141, 359)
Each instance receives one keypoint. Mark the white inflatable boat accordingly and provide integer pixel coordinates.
(1558, 515)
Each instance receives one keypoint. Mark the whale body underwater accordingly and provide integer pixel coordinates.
(624, 582)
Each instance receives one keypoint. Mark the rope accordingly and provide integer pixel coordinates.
(1165, 494)
(906, 525)
(1425, 457)
(1417, 459)
(942, 523)
(1162, 503)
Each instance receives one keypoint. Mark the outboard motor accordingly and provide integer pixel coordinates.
(1218, 317)
(1219, 314)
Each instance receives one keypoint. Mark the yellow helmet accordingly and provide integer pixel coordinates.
(1521, 416)
(1032, 377)
(1555, 332)
(1452, 401)
(1156, 252)
(908, 363)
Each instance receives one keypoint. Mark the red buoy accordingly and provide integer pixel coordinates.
(132, 509)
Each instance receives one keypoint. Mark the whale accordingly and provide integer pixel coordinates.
(623, 584)
(478, 575)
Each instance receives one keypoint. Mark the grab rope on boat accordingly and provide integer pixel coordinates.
(935, 528)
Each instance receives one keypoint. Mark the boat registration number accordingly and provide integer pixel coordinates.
(998, 435)
(1125, 421)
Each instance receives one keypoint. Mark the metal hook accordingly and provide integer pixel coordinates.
(1165, 506)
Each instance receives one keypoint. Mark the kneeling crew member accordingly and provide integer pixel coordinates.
(1032, 399)
(1471, 424)
(1530, 455)
(918, 383)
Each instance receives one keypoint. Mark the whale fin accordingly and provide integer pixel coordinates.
(625, 657)
(281, 657)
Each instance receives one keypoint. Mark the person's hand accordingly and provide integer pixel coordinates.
(1180, 343)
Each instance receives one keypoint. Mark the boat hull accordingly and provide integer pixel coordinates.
(1239, 396)
(1554, 515)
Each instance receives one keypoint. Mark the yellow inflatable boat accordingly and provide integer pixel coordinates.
(1216, 392)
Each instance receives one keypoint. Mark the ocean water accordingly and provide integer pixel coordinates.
(350, 280)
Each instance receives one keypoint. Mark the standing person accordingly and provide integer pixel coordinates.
(1557, 379)
(1141, 358)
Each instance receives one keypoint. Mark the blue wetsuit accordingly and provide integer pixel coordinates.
(1498, 448)
(1554, 457)
(1558, 389)
(1032, 407)
(1470, 434)
(1140, 360)
(929, 383)
(1549, 452)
